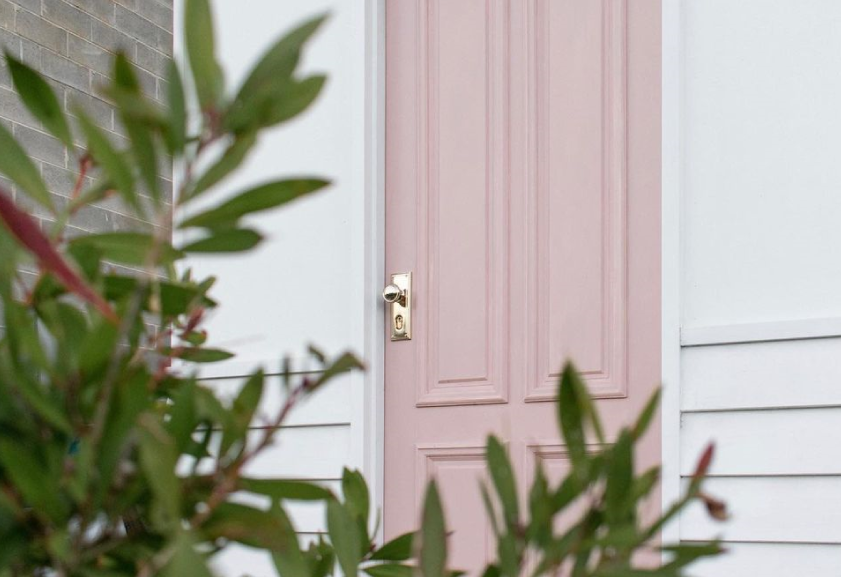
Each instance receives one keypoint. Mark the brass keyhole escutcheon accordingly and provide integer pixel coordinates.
(398, 322)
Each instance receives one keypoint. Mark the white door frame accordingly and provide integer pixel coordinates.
(373, 403)
(671, 162)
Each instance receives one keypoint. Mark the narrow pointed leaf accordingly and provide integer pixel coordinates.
(177, 133)
(29, 234)
(274, 69)
(264, 197)
(389, 570)
(344, 534)
(232, 240)
(502, 475)
(228, 162)
(16, 164)
(130, 248)
(432, 558)
(285, 489)
(112, 162)
(398, 549)
(201, 52)
(40, 99)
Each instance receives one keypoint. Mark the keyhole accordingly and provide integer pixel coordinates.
(398, 322)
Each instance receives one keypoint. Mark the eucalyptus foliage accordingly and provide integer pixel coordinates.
(112, 462)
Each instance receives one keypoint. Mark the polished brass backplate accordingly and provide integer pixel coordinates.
(398, 295)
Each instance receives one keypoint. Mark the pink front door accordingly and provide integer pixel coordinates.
(523, 193)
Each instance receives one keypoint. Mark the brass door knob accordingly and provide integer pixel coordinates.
(394, 294)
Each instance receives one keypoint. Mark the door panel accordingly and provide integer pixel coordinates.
(522, 192)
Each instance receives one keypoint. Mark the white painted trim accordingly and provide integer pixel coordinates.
(671, 258)
(789, 330)
(374, 410)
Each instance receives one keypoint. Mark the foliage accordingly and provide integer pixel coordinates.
(112, 462)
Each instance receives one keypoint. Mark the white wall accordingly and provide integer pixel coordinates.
(311, 281)
(758, 136)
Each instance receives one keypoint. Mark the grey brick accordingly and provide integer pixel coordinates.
(7, 14)
(143, 30)
(30, 53)
(110, 38)
(40, 145)
(5, 76)
(11, 42)
(31, 5)
(39, 30)
(97, 109)
(156, 13)
(147, 80)
(66, 16)
(59, 180)
(102, 9)
(12, 108)
(162, 91)
(152, 60)
(89, 55)
(65, 71)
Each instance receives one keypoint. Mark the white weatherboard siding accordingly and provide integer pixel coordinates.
(308, 283)
(760, 293)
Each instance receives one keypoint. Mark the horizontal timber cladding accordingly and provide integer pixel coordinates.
(760, 290)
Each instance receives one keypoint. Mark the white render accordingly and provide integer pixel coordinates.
(752, 142)
(313, 281)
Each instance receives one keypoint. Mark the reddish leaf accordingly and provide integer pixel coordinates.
(26, 230)
(704, 463)
(716, 508)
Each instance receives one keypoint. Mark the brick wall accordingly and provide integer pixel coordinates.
(72, 42)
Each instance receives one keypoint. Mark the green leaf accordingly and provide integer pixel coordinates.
(346, 362)
(355, 490)
(204, 355)
(389, 570)
(32, 479)
(186, 561)
(139, 130)
(273, 70)
(264, 197)
(645, 418)
(620, 476)
(502, 475)
(344, 534)
(398, 549)
(227, 240)
(16, 164)
(570, 418)
(50, 409)
(130, 247)
(687, 553)
(158, 459)
(540, 508)
(111, 161)
(182, 414)
(288, 560)
(242, 411)
(201, 53)
(293, 99)
(40, 99)
(177, 128)
(285, 489)
(228, 162)
(432, 558)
